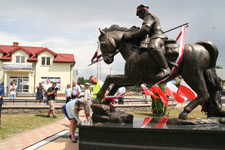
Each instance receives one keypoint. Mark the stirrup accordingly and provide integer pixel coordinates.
(173, 64)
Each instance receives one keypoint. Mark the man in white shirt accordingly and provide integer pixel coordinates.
(75, 90)
(120, 91)
(46, 87)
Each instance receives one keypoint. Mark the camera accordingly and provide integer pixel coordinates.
(56, 89)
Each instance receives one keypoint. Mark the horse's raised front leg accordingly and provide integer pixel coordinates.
(118, 80)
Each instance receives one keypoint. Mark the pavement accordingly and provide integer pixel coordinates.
(28, 139)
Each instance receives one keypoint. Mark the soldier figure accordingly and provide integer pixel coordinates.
(151, 27)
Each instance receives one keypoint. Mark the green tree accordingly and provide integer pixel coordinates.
(81, 81)
(158, 107)
(219, 67)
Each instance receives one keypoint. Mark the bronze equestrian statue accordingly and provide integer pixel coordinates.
(150, 65)
(151, 27)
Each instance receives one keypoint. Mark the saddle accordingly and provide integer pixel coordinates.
(171, 49)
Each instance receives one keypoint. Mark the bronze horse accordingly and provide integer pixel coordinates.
(197, 69)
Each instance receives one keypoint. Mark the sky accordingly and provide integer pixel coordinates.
(71, 26)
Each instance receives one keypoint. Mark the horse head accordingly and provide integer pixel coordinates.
(108, 46)
(111, 40)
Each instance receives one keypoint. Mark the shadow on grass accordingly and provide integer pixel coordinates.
(41, 115)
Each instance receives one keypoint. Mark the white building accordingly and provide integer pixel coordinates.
(30, 65)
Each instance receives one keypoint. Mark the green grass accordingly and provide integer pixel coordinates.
(174, 113)
(17, 123)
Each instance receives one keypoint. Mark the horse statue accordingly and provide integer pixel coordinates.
(197, 68)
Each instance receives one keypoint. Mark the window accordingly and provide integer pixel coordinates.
(45, 61)
(20, 59)
(52, 79)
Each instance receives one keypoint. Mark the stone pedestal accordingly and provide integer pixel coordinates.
(103, 113)
(154, 135)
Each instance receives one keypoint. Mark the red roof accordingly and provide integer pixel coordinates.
(64, 58)
(7, 50)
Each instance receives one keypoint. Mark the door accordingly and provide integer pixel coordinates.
(22, 84)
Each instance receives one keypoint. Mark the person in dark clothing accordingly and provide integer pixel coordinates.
(39, 94)
(52, 91)
(1, 99)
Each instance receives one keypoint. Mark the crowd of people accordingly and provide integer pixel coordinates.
(74, 103)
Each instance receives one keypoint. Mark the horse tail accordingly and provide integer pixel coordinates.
(213, 106)
(213, 52)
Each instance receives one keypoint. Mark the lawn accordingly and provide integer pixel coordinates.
(16, 123)
(12, 124)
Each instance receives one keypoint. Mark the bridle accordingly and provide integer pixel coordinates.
(110, 41)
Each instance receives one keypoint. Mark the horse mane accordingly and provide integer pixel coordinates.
(116, 27)
(132, 45)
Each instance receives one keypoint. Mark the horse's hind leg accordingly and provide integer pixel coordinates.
(197, 82)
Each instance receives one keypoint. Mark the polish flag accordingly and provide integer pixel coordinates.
(163, 97)
(146, 121)
(96, 57)
(171, 90)
(161, 123)
(186, 91)
(148, 92)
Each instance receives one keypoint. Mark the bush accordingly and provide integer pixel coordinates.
(158, 107)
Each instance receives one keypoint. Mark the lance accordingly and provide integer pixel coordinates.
(185, 24)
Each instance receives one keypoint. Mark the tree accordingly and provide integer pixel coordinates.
(219, 67)
(81, 81)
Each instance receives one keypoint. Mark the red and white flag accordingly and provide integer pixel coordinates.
(161, 94)
(146, 121)
(171, 90)
(148, 92)
(96, 57)
(161, 123)
(186, 91)
(112, 97)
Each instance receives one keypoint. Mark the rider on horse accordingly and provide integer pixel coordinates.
(151, 27)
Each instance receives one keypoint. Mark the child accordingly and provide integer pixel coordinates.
(87, 100)
(12, 93)
(71, 110)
